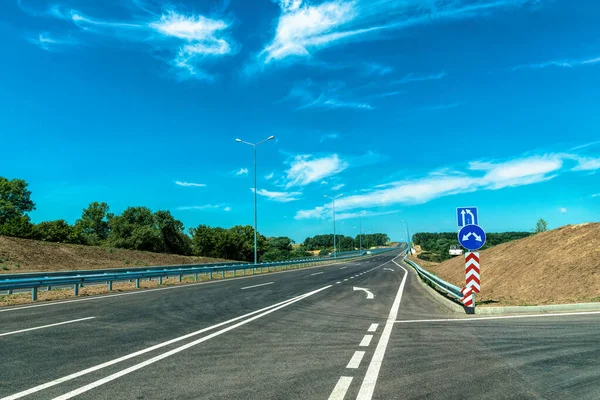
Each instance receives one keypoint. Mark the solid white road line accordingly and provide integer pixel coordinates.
(366, 341)
(137, 353)
(46, 326)
(176, 350)
(372, 328)
(253, 286)
(368, 386)
(499, 317)
(356, 359)
(316, 273)
(339, 391)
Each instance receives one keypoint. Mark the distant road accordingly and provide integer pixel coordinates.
(356, 329)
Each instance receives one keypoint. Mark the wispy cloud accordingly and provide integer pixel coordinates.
(410, 78)
(338, 186)
(242, 171)
(205, 207)
(329, 136)
(306, 169)
(559, 64)
(50, 43)
(280, 197)
(596, 195)
(190, 184)
(586, 163)
(304, 28)
(270, 176)
(582, 146)
(190, 39)
(479, 175)
(330, 97)
(562, 210)
(377, 69)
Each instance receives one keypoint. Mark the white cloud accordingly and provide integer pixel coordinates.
(329, 136)
(559, 64)
(518, 172)
(270, 176)
(306, 169)
(329, 97)
(409, 78)
(189, 39)
(50, 43)
(190, 184)
(587, 164)
(377, 69)
(242, 171)
(304, 28)
(227, 209)
(439, 183)
(280, 197)
(338, 186)
(596, 195)
(562, 210)
(585, 145)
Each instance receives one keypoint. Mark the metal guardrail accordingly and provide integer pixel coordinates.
(441, 284)
(78, 278)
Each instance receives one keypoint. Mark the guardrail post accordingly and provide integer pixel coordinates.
(49, 288)
(9, 291)
(196, 277)
(180, 278)
(34, 294)
(159, 280)
(109, 286)
(76, 289)
(210, 275)
(137, 283)
(244, 272)
(222, 274)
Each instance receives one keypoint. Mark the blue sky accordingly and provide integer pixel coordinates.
(408, 108)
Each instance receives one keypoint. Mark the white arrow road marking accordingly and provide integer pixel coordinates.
(388, 269)
(367, 291)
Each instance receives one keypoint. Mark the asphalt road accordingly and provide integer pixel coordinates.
(302, 334)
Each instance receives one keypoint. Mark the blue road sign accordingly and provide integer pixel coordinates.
(471, 237)
(467, 216)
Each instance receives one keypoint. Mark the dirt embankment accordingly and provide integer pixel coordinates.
(554, 267)
(23, 255)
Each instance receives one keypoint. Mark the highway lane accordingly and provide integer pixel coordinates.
(125, 324)
(323, 345)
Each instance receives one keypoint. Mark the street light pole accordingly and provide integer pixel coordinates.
(333, 201)
(254, 145)
(360, 231)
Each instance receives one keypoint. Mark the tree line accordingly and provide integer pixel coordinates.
(436, 246)
(139, 228)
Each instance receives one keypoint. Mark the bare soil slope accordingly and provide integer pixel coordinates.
(558, 266)
(23, 255)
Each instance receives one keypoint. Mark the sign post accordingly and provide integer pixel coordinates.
(472, 237)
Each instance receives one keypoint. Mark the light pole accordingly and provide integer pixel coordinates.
(360, 231)
(407, 236)
(255, 229)
(333, 201)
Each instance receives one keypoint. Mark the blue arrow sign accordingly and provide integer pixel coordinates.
(467, 216)
(471, 237)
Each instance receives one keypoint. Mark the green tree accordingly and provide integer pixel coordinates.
(174, 239)
(53, 231)
(17, 227)
(93, 224)
(15, 199)
(540, 226)
(135, 229)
